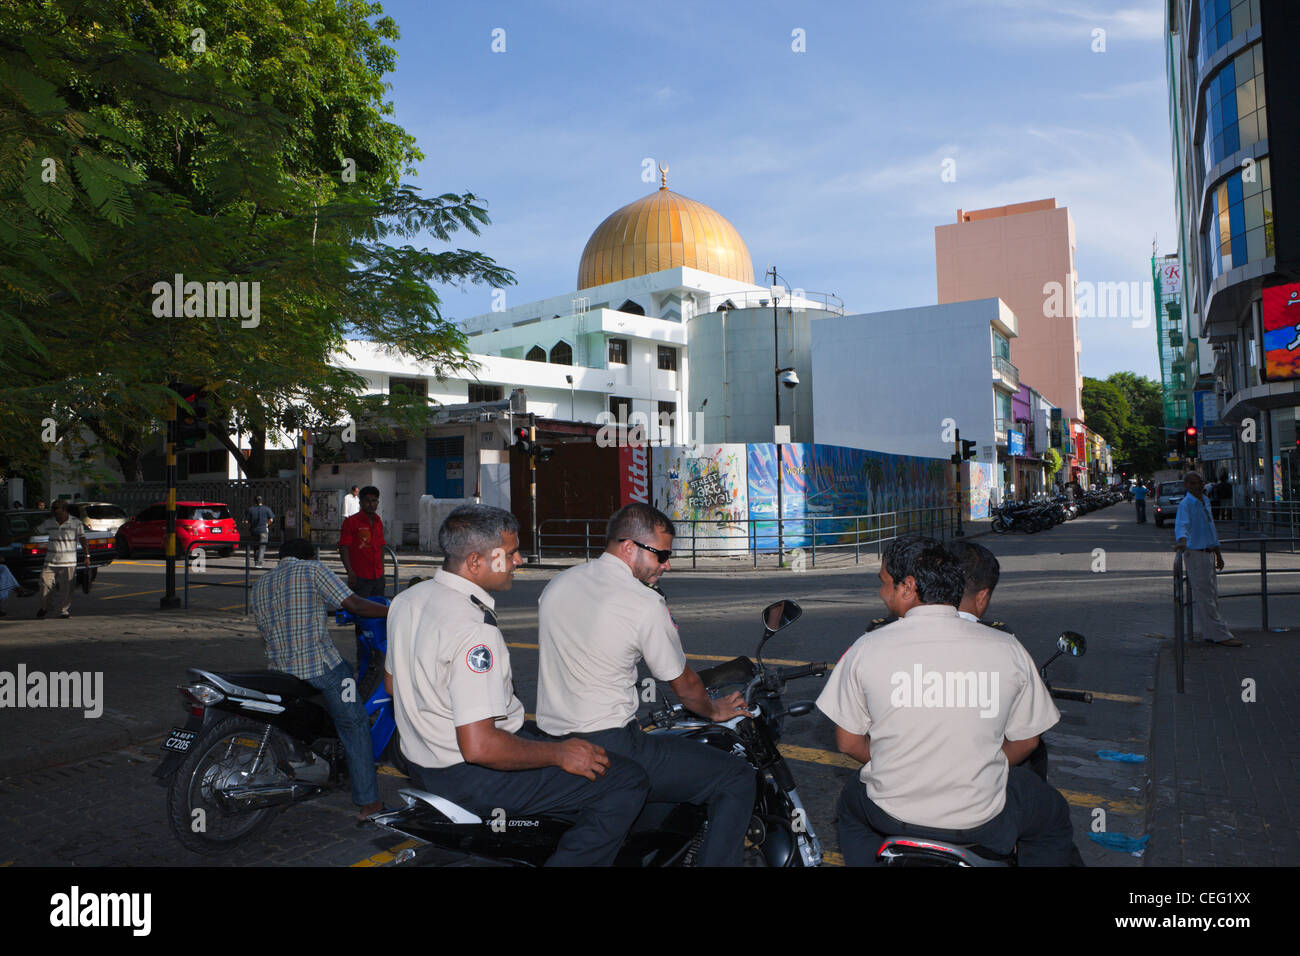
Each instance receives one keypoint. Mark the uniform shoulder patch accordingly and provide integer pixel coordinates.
(997, 626)
(479, 659)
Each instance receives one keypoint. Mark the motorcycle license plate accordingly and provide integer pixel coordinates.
(180, 740)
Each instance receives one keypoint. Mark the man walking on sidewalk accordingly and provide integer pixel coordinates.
(259, 520)
(66, 534)
(1199, 544)
(1140, 502)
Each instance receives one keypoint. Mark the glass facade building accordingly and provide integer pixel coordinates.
(1233, 77)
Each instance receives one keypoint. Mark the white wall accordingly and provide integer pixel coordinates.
(886, 380)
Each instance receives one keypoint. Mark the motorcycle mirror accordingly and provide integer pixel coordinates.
(1072, 643)
(780, 614)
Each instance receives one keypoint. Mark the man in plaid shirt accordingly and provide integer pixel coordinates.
(290, 606)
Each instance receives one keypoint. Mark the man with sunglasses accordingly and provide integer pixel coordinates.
(597, 620)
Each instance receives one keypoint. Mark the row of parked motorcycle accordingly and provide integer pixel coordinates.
(1046, 511)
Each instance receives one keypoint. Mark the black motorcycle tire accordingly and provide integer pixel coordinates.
(999, 525)
(225, 747)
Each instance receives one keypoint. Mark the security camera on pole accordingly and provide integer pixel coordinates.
(780, 434)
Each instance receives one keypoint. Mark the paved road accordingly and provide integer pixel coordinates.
(77, 791)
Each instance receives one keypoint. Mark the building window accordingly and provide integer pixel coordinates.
(631, 308)
(1241, 221)
(1221, 20)
(1235, 116)
(412, 386)
(667, 358)
(1001, 347)
(562, 354)
(536, 354)
(618, 351)
(667, 422)
(486, 393)
(620, 408)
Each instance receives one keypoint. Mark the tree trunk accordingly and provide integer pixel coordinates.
(257, 457)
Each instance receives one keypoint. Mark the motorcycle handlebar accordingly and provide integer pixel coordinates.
(1080, 695)
(807, 670)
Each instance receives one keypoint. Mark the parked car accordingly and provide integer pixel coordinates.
(206, 524)
(23, 550)
(1168, 494)
(99, 515)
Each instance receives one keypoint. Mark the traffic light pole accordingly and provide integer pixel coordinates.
(169, 599)
(957, 460)
(532, 483)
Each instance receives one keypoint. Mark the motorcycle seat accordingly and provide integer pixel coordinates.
(273, 682)
(934, 852)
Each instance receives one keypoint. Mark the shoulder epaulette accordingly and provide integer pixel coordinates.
(997, 626)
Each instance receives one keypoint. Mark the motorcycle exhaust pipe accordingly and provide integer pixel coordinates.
(255, 797)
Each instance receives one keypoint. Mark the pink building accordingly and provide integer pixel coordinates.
(1013, 253)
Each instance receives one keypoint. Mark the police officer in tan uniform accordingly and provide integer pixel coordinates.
(597, 620)
(938, 710)
(458, 715)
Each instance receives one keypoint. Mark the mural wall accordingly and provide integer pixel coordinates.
(704, 488)
(719, 491)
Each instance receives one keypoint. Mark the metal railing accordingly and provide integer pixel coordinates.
(763, 300)
(247, 583)
(1183, 622)
(1008, 371)
(801, 539)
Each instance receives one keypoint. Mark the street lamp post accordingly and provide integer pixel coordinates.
(780, 451)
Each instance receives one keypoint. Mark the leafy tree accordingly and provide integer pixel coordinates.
(241, 141)
(1106, 410)
(1143, 440)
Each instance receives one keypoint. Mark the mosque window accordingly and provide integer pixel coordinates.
(726, 306)
(536, 354)
(631, 308)
(667, 358)
(618, 351)
(562, 354)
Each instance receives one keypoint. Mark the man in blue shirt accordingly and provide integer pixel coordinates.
(1140, 500)
(1196, 539)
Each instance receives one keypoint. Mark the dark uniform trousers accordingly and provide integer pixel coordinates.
(687, 771)
(605, 808)
(1036, 817)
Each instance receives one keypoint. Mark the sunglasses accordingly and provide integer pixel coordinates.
(662, 556)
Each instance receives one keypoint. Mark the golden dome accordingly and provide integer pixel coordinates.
(664, 230)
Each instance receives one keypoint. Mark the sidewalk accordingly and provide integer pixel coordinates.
(1224, 785)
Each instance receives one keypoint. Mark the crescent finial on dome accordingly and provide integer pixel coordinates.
(663, 176)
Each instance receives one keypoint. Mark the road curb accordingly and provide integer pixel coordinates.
(1163, 811)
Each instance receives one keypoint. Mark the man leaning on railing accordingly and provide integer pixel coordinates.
(1196, 538)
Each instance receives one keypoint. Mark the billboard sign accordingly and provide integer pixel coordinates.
(1281, 306)
(1015, 443)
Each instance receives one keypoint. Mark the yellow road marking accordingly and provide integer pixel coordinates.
(1101, 695)
(141, 564)
(693, 657)
(1073, 797)
(158, 591)
(7, 863)
(231, 607)
(832, 859)
(814, 755)
(389, 771)
(389, 855)
(1091, 800)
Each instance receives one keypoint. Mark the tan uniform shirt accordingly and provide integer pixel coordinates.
(449, 668)
(937, 694)
(596, 622)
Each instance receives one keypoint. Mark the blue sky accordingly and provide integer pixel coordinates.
(827, 161)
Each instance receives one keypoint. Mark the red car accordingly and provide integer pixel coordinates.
(204, 523)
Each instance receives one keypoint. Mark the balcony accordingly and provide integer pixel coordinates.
(1006, 373)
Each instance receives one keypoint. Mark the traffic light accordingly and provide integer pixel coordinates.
(967, 449)
(529, 447)
(1190, 440)
(192, 422)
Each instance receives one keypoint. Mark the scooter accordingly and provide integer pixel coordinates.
(924, 851)
(780, 832)
(258, 741)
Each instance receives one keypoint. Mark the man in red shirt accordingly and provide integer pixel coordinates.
(361, 547)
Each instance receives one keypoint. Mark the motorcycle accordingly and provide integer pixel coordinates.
(924, 851)
(259, 741)
(665, 834)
